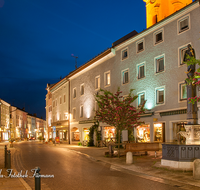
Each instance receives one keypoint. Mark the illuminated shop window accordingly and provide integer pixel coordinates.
(143, 133)
(159, 132)
(86, 134)
(109, 133)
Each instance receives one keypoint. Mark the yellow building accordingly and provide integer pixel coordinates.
(156, 10)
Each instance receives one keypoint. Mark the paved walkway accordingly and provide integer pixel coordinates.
(146, 166)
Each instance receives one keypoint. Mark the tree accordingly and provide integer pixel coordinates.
(118, 112)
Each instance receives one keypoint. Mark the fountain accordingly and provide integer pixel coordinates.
(179, 155)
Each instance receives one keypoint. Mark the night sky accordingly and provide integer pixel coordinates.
(37, 38)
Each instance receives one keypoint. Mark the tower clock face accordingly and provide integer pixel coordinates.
(152, 1)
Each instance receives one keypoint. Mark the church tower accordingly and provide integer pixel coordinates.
(156, 10)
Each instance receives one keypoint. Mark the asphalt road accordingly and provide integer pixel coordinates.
(74, 171)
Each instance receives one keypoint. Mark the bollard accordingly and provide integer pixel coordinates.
(37, 179)
(8, 160)
(110, 150)
(5, 156)
(129, 157)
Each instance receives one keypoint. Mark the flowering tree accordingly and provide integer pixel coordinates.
(193, 79)
(117, 112)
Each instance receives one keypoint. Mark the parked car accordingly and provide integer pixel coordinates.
(32, 138)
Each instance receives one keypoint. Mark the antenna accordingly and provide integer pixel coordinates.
(75, 60)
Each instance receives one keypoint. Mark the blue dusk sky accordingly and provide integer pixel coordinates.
(38, 37)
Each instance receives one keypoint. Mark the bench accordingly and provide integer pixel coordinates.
(137, 147)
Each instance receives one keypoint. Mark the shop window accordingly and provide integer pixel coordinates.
(124, 54)
(86, 134)
(159, 132)
(109, 133)
(125, 76)
(143, 133)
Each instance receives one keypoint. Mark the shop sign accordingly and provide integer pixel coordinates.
(87, 121)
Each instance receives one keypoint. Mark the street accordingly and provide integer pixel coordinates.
(75, 171)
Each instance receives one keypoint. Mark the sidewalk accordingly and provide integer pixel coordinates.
(8, 183)
(146, 166)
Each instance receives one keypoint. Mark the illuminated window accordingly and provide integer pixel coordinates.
(183, 24)
(81, 111)
(74, 92)
(160, 95)
(82, 89)
(158, 37)
(140, 46)
(107, 78)
(141, 98)
(183, 91)
(159, 64)
(74, 113)
(182, 54)
(124, 54)
(125, 76)
(97, 82)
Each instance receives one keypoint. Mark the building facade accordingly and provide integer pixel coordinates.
(151, 63)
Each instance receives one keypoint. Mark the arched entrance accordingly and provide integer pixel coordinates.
(75, 135)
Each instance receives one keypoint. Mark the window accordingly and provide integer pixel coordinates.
(60, 100)
(158, 36)
(60, 116)
(140, 70)
(124, 54)
(64, 99)
(159, 63)
(182, 54)
(97, 82)
(74, 113)
(141, 98)
(74, 92)
(56, 102)
(107, 78)
(183, 91)
(160, 95)
(140, 46)
(125, 76)
(82, 89)
(53, 103)
(183, 24)
(81, 111)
